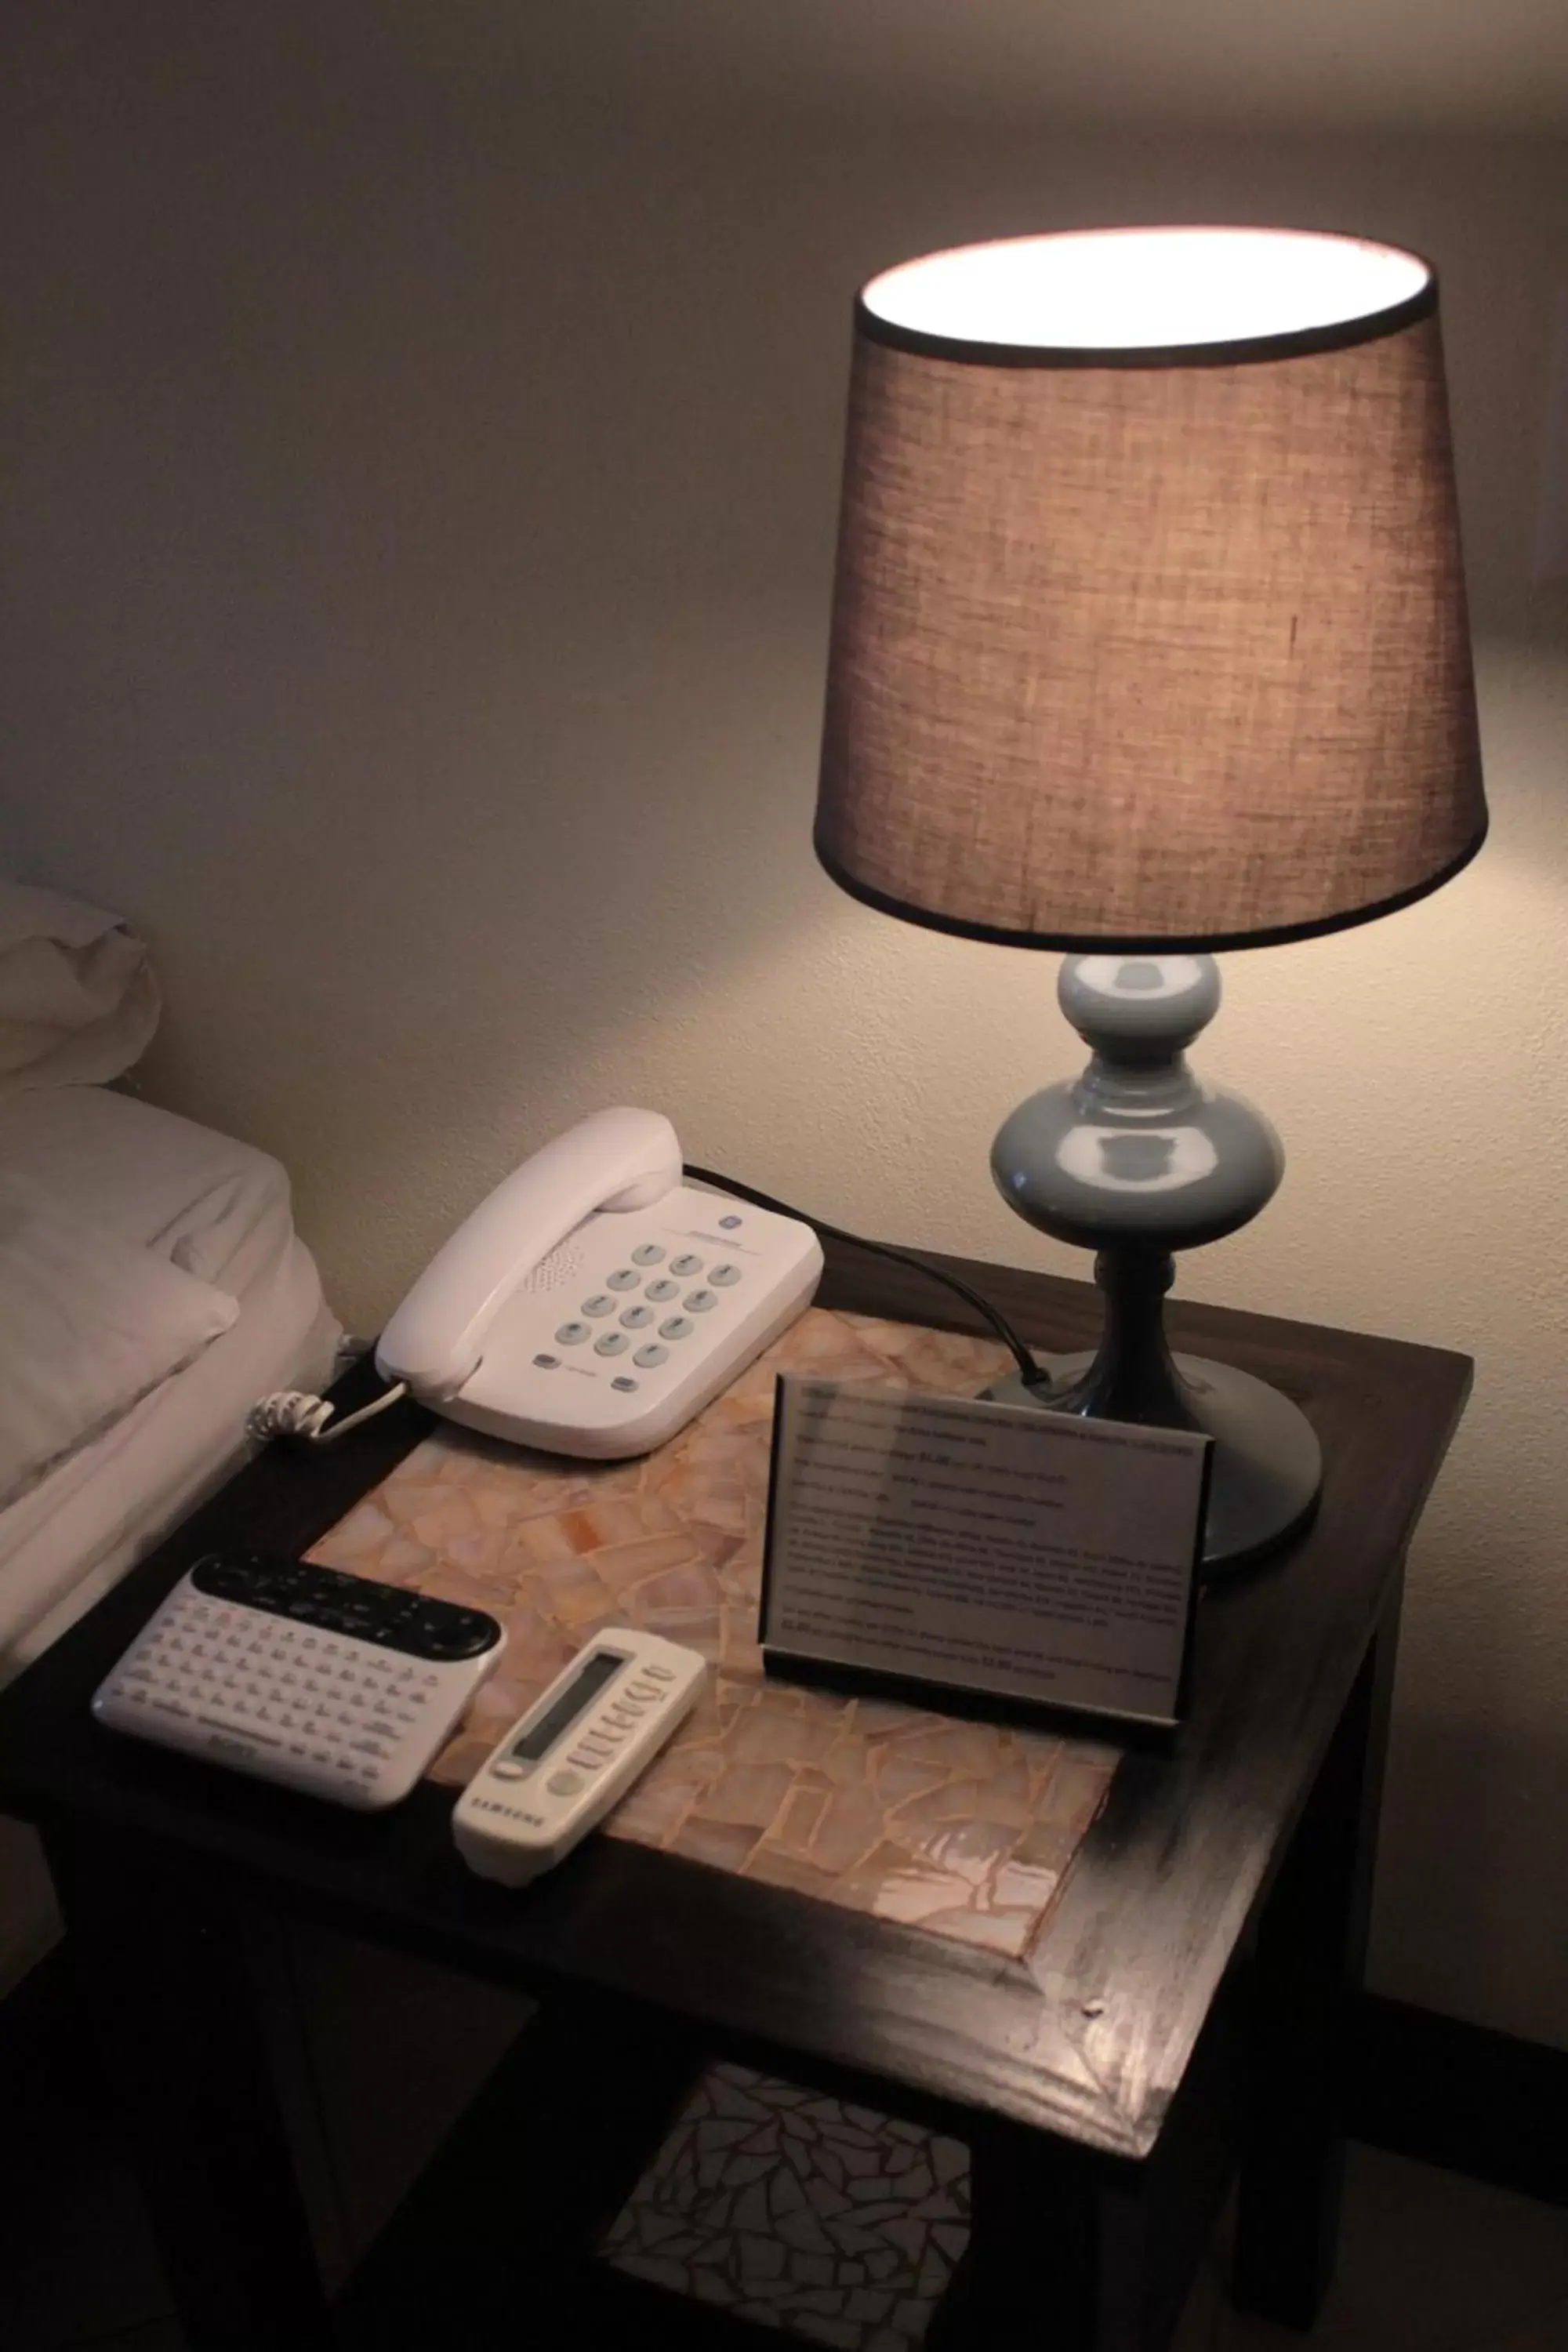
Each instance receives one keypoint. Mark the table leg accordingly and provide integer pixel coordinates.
(1309, 1958)
(1057, 2253)
(158, 1960)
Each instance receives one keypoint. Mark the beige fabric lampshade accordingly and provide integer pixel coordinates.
(1148, 633)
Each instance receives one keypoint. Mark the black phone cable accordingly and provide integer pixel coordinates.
(1034, 1375)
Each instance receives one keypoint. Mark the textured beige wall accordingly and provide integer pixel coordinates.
(425, 462)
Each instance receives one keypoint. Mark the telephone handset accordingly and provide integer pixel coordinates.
(594, 1303)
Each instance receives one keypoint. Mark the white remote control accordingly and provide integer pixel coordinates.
(565, 1763)
(335, 1685)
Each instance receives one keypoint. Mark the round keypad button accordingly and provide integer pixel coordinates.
(624, 1381)
(548, 1363)
(601, 1303)
(725, 1275)
(679, 1327)
(622, 1278)
(662, 1289)
(728, 1224)
(611, 1343)
(685, 1265)
(637, 1318)
(651, 1355)
(699, 1301)
(572, 1335)
(646, 1254)
(565, 1784)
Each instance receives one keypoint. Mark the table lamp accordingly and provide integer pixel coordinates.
(1149, 640)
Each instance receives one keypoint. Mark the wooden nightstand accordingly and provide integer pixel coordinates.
(1178, 2015)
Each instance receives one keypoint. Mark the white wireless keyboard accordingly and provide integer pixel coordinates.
(335, 1685)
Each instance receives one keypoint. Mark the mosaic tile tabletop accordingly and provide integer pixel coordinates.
(961, 1828)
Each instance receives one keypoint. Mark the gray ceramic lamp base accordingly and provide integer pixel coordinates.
(1135, 1159)
(1267, 1465)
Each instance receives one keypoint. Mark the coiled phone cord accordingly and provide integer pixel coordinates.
(308, 1420)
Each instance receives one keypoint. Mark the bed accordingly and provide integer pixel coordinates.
(220, 1211)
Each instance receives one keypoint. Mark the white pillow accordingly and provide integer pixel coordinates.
(79, 1000)
(88, 1324)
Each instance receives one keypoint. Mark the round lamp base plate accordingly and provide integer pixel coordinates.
(1267, 1464)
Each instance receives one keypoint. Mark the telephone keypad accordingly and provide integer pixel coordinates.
(666, 1277)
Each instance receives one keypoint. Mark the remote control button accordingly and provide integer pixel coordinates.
(548, 1363)
(728, 1224)
(663, 1289)
(644, 1691)
(638, 1319)
(659, 1673)
(723, 1274)
(611, 1343)
(584, 1761)
(699, 1301)
(622, 1278)
(685, 1265)
(626, 1386)
(648, 1356)
(606, 1736)
(572, 1335)
(509, 1768)
(646, 1254)
(600, 1304)
(565, 1784)
(679, 1327)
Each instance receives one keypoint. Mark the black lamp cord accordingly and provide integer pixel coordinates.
(310, 1420)
(1033, 1375)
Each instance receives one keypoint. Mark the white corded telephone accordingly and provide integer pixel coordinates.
(593, 1303)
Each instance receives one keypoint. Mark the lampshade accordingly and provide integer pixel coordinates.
(1148, 626)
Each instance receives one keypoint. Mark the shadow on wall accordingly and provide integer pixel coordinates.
(1497, 1898)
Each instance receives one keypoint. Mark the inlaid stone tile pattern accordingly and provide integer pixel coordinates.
(958, 1828)
(831, 2222)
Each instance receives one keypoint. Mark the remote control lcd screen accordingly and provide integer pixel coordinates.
(580, 1692)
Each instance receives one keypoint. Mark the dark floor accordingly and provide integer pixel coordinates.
(1430, 2262)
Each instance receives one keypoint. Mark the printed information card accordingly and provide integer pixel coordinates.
(987, 1547)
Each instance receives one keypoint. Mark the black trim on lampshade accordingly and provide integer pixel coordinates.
(1339, 335)
(1142, 942)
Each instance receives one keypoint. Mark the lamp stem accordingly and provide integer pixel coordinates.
(1133, 1376)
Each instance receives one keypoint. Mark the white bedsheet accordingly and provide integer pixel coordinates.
(89, 1323)
(220, 1211)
